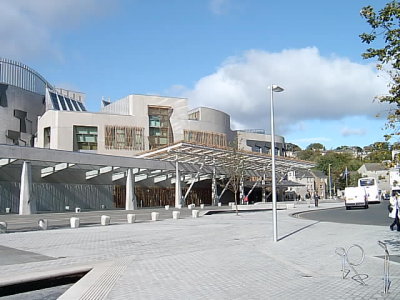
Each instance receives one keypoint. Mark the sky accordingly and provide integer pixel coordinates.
(222, 54)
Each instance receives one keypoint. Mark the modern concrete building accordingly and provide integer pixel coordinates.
(95, 159)
(140, 123)
(24, 96)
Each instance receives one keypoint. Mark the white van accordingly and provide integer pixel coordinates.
(355, 197)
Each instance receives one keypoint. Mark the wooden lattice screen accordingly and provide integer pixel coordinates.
(157, 196)
(124, 137)
(205, 138)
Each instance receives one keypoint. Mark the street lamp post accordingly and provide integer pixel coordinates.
(330, 182)
(274, 88)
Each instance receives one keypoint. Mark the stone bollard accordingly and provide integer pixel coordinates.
(78, 210)
(219, 204)
(176, 214)
(105, 220)
(231, 203)
(154, 216)
(42, 224)
(191, 206)
(3, 227)
(103, 206)
(202, 206)
(166, 207)
(131, 218)
(67, 207)
(289, 206)
(8, 210)
(74, 222)
(179, 206)
(195, 213)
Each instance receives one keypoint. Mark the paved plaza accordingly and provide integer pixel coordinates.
(219, 256)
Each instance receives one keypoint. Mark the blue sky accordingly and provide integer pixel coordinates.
(217, 53)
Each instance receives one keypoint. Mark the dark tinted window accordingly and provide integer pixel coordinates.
(54, 101)
(81, 106)
(75, 105)
(62, 101)
(69, 103)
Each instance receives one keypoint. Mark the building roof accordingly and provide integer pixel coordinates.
(373, 167)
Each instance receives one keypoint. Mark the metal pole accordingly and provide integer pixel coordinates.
(274, 214)
(330, 181)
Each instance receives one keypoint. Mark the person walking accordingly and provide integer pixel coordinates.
(394, 213)
(316, 198)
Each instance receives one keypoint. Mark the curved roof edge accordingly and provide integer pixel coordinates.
(19, 64)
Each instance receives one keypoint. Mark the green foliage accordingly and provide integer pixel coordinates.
(337, 163)
(309, 155)
(292, 147)
(315, 146)
(385, 32)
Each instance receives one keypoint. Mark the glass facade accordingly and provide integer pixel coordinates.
(61, 102)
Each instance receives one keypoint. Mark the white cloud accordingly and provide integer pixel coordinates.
(219, 7)
(29, 28)
(346, 131)
(316, 88)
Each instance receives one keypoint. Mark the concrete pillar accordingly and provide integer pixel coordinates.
(26, 204)
(178, 190)
(130, 198)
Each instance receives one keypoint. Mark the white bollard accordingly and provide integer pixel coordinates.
(231, 203)
(179, 206)
(3, 227)
(131, 218)
(190, 206)
(67, 207)
(166, 207)
(202, 206)
(105, 220)
(74, 222)
(78, 210)
(176, 214)
(219, 204)
(154, 216)
(42, 223)
(8, 210)
(195, 213)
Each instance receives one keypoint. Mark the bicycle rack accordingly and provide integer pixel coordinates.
(386, 260)
(345, 260)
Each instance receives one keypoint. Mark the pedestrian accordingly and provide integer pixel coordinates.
(316, 198)
(394, 213)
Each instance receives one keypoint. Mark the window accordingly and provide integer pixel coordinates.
(160, 130)
(54, 101)
(86, 138)
(47, 136)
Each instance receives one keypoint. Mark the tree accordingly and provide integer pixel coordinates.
(309, 155)
(338, 162)
(234, 166)
(385, 30)
(315, 146)
(292, 147)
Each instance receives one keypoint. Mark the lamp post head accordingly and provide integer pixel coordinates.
(276, 88)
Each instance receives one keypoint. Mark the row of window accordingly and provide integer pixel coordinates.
(61, 102)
